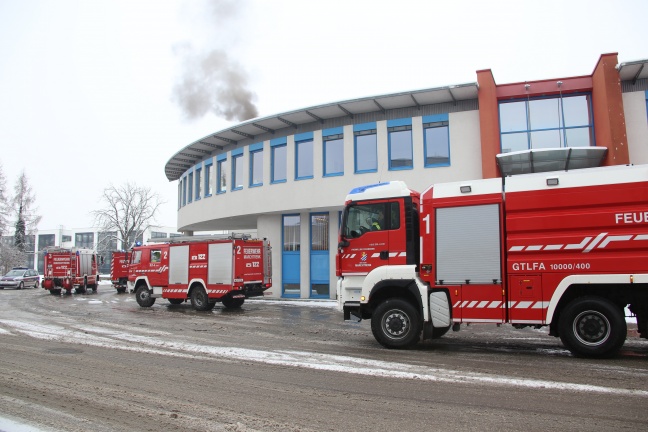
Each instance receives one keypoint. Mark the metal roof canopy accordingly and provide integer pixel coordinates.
(633, 71)
(251, 129)
(550, 159)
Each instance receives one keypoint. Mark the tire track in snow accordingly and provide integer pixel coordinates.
(115, 339)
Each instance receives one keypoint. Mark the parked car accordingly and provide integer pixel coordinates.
(19, 278)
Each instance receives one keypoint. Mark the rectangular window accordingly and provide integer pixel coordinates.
(278, 155)
(184, 191)
(366, 148)
(158, 234)
(546, 123)
(190, 188)
(333, 155)
(66, 238)
(436, 141)
(319, 255)
(209, 189)
(221, 176)
(400, 144)
(256, 164)
(237, 171)
(304, 159)
(198, 184)
(84, 240)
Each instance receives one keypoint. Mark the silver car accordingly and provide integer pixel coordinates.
(19, 278)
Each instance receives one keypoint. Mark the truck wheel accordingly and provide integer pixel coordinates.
(176, 301)
(231, 303)
(121, 290)
(592, 327)
(396, 324)
(438, 332)
(199, 299)
(83, 288)
(56, 292)
(143, 296)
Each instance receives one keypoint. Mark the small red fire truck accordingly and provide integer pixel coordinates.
(568, 250)
(68, 269)
(202, 269)
(119, 270)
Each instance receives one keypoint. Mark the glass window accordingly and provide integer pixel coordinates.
(158, 235)
(291, 233)
(366, 151)
(237, 172)
(304, 155)
(279, 164)
(190, 187)
(84, 240)
(66, 238)
(198, 184)
(319, 232)
(184, 191)
(221, 173)
(400, 147)
(333, 155)
(136, 257)
(209, 189)
(179, 194)
(256, 168)
(156, 255)
(364, 218)
(436, 138)
(546, 123)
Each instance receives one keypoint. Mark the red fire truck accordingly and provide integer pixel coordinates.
(68, 269)
(202, 269)
(568, 250)
(119, 270)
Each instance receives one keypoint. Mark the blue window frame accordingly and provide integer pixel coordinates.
(190, 192)
(278, 155)
(547, 122)
(333, 140)
(198, 184)
(256, 164)
(184, 191)
(304, 156)
(209, 168)
(436, 140)
(290, 257)
(401, 153)
(221, 174)
(319, 256)
(237, 169)
(365, 147)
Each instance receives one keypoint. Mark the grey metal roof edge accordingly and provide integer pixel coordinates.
(176, 157)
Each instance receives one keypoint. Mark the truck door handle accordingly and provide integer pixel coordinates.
(384, 255)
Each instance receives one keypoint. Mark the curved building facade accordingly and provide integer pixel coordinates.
(286, 176)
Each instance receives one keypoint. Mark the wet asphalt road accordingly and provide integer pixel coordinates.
(99, 362)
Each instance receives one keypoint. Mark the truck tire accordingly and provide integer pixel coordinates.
(82, 288)
(231, 303)
(396, 324)
(199, 299)
(592, 327)
(176, 301)
(143, 296)
(56, 292)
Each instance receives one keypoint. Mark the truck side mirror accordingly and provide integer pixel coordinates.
(343, 243)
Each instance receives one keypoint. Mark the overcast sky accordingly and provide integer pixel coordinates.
(91, 92)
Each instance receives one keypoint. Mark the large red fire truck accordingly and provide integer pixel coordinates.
(67, 269)
(202, 269)
(568, 250)
(119, 270)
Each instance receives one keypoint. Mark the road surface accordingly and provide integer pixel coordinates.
(99, 362)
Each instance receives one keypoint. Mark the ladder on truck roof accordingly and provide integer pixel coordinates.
(205, 237)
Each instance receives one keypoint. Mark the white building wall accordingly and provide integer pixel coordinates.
(636, 117)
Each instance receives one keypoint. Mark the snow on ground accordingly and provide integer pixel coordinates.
(124, 339)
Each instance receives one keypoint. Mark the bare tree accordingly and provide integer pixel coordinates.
(128, 211)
